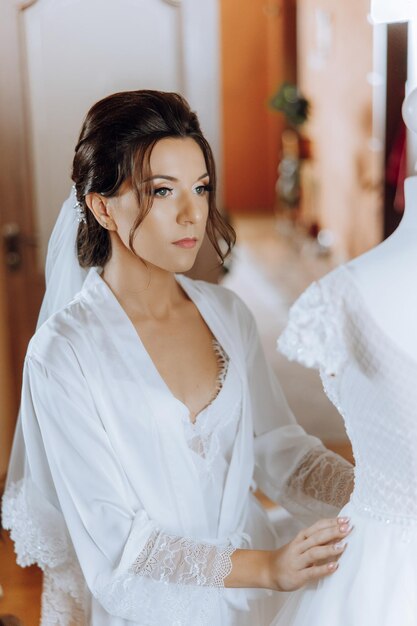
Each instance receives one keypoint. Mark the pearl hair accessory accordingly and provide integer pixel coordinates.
(79, 209)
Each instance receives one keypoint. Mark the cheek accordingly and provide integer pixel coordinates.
(151, 233)
(123, 229)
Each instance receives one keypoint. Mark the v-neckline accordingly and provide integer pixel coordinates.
(372, 320)
(158, 378)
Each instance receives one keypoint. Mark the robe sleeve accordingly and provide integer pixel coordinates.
(123, 555)
(291, 467)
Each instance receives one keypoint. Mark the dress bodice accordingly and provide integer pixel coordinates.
(371, 381)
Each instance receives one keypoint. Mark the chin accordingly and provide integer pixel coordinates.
(180, 268)
(184, 264)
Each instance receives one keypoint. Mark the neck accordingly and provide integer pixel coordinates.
(142, 290)
(409, 220)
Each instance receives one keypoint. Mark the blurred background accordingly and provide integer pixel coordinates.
(301, 102)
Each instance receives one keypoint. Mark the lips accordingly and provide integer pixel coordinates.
(187, 242)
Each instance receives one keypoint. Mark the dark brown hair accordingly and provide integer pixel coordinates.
(115, 144)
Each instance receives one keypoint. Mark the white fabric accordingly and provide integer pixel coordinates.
(110, 464)
(108, 490)
(166, 558)
(372, 383)
(63, 275)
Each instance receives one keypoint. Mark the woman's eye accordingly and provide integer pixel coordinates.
(202, 189)
(162, 192)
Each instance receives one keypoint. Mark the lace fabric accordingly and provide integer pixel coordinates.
(222, 367)
(37, 535)
(65, 598)
(312, 336)
(40, 538)
(203, 436)
(372, 386)
(166, 558)
(316, 337)
(321, 477)
(172, 559)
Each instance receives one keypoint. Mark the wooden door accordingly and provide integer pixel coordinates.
(258, 54)
(57, 57)
(22, 282)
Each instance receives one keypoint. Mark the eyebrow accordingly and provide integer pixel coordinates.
(171, 178)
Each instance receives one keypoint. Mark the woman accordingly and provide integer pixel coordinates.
(148, 408)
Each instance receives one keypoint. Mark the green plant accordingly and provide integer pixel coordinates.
(289, 101)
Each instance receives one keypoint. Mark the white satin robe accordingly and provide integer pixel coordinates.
(107, 464)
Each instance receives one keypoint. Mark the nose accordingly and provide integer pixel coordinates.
(191, 209)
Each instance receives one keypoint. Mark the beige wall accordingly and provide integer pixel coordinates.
(335, 44)
(63, 77)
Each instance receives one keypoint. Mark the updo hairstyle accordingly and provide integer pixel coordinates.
(115, 145)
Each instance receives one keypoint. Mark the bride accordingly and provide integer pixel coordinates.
(148, 408)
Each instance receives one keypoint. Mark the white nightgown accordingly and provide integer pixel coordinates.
(372, 382)
(131, 511)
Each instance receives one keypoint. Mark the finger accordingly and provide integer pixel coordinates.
(319, 571)
(325, 536)
(322, 553)
(323, 524)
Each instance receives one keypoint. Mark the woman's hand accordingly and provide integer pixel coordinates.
(311, 555)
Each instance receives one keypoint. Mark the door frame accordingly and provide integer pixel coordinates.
(23, 286)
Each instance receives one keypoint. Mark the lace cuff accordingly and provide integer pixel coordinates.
(322, 477)
(39, 535)
(171, 559)
(311, 336)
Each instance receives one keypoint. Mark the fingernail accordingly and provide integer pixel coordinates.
(345, 528)
(343, 520)
(340, 545)
(332, 566)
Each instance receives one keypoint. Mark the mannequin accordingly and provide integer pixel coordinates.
(356, 325)
(386, 275)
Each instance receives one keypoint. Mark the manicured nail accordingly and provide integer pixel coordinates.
(346, 528)
(340, 545)
(343, 520)
(332, 566)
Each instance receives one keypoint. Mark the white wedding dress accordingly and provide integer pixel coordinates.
(373, 383)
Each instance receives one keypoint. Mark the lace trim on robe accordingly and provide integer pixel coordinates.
(201, 436)
(171, 559)
(167, 558)
(222, 367)
(39, 539)
(65, 599)
(322, 476)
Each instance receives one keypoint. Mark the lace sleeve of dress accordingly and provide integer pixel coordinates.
(311, 336)
(322, 482)
(172, 559)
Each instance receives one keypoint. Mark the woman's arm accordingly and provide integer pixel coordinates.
(292, 467)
